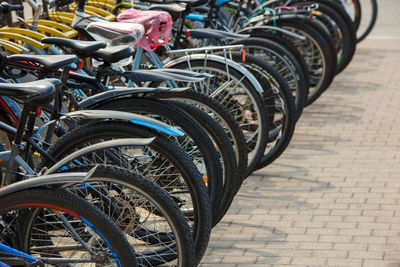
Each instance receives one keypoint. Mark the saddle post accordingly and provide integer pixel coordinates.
(57, 104)
(81, 4)
(16, 144)
(100, 73)
(181, 24)
(29, 132)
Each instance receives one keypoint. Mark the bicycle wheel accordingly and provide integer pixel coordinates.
(364, 14)
(195, 143)
(231, 181)
(340, 28)
(317, 51)
(231, 88)
(149, 217)
(284, 62)
(162, 161)
(353, 9)
(369, 10)
(280, 104)
(62, 229)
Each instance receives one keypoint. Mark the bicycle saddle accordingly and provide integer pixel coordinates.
(191, 3)
(173, 9)
(80, 47)
(37, 93)
(112, 54)
(116, 33)
(48, 61)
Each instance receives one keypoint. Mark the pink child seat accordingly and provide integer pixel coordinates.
(157, 25)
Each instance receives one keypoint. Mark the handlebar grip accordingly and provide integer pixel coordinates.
(6, 7)
(15, 7)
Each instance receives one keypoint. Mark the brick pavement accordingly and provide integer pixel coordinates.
(333, 198)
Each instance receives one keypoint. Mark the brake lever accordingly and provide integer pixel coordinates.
(26, 24)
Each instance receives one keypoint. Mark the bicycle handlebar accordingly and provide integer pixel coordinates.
(6, 7)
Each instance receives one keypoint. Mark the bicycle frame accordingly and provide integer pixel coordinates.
(19, 256)
(11, 159)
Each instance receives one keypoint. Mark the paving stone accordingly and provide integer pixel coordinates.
(375, 255)
(358, 232)
(335, 238)
(341, 225)
(236, 259)
(272, 260)
(315, 245)
(308, 261)
(370, 240)
(344, 262)
(329, 254)
(302, 238)
(350, 246)
(374, 263)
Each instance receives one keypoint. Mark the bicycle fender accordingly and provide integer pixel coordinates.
(108, 95)
(119, 115)
(272, 28)
(164, 75)
(222, 60)
(125, 116)
(52, 179)
(202, 33)
(102, 145)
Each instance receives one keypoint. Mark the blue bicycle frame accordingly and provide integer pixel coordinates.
(18, 254)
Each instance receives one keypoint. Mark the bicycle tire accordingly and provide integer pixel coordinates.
(71, 206)
(371, 23)
(357, 13)
(278, 98)
(231, 181)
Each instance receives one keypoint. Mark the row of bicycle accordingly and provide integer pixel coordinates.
(128, 156)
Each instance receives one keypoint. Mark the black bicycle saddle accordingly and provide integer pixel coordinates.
(80, 47)
(112, 54)
(48, 61)
(37, 93)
